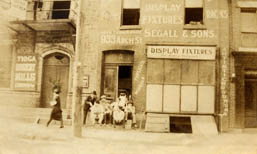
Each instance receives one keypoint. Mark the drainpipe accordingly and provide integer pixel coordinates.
(76, 96)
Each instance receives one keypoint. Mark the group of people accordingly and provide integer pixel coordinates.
(103, 111)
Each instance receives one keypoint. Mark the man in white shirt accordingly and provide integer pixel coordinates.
(97, 113)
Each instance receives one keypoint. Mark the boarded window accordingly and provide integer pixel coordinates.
(189, 72)
(172, 71)
(155, 71)
(131, 12)
(5, 66)
(194, 12)
(248, 20)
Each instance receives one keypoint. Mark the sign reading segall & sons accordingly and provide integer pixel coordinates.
(182, 52)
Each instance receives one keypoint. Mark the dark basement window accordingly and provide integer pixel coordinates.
(180, 125)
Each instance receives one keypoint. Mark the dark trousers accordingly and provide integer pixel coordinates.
(85, 116)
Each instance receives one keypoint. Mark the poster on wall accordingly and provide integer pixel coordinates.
(25, 72)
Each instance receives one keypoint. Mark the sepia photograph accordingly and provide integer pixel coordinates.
(128, 77)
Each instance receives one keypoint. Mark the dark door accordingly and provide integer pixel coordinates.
(55, 71)
(250, 104)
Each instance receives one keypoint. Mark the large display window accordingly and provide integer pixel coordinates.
(180, 86)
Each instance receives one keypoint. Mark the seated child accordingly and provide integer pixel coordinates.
(130, 111)
(107, 108)
(97, 113)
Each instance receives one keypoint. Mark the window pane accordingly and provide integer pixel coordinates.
(131, 16)
(194, 16)
(171, 98)
(172, 71)
(207, 72)
(155, 71)
(188, 98)
(5, 66)
(154, 98)
(189, 72)
(206, 99)
(193, 3)
(131, 4)
(248, 21)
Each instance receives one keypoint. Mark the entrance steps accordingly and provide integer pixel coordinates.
(169, 123)
(32, 115)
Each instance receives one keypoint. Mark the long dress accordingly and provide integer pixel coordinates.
(56, 113)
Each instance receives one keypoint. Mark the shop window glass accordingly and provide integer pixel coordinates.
(154, 98)
(188, 98)
(207, 72)
(155, 71)
(248, 20)
(171, 98)
(131, 12)
(172, 71)
(194, 12)
(206, 99)
(5, 66)
(189, 72)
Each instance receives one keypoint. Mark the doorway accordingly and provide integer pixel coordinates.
(117, 79)
(125, 79)
(55, 72)
(250, 103)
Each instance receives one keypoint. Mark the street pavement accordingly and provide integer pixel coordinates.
(17, 137)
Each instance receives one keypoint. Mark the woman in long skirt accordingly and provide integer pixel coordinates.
(56, 113)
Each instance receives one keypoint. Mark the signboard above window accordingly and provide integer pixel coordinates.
(182, 52)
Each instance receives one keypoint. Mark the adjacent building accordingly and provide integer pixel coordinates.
(243, 106)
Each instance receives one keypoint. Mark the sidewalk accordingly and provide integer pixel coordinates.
(28, 138)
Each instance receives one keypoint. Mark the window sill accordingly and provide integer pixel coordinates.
(130, 27)
(192, 27)
(249, 32)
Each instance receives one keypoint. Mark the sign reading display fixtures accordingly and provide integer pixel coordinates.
(182, 52)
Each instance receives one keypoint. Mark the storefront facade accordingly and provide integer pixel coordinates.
(166, 54)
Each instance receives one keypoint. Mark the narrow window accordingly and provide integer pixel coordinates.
(131, 12)
(248, 20)
(194, 12)
(61, 10)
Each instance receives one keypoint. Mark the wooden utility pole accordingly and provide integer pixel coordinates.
(76, 102)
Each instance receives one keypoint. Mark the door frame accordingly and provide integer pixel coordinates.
(116, 63)
(40, 71)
